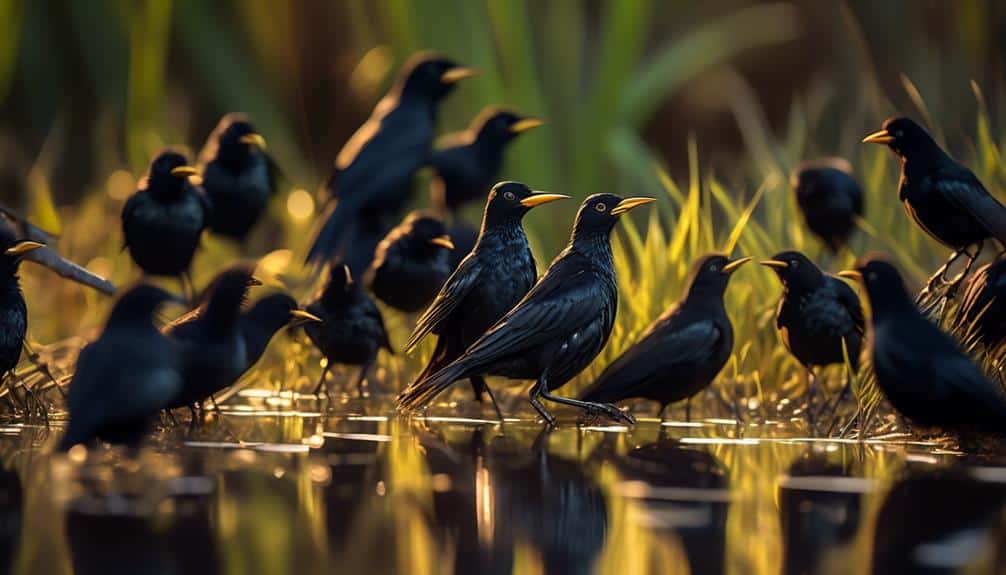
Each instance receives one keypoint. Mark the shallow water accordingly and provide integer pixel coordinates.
(281, 484)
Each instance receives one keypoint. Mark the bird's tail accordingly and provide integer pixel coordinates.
(420, 393)
(329, 238)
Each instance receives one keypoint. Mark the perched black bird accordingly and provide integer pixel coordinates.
(373, 169)
(681, 352)
(269, 315)
(919, 368)
(817, 314)
(470, 161)
(211, 338)
(829, 198)
(561, 324)
(238, 176)
(164, 220)
(13, 310)
(463, 236)
(126, 376)
(941, 195)
(491, 279)
(351, 331)
(411, 263)
(982, 312)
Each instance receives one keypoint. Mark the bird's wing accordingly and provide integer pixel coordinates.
(453, 162)
(850, 301)
(451, 294)
(960, 186)
(127, 216)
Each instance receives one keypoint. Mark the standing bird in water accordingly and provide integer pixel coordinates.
(829, 198)
(372, 172)
(164, 220)
(470, 162)
(558, 328)
(818, 316)
(920, 369)
(269, 315)
(682, 352)
(13, 312)
(491, 279)
(942, 196)
(126, 376)
(982, 313)
(351, 331)
(238, 176)
(411, 263)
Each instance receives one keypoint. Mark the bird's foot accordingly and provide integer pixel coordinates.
(612, 412)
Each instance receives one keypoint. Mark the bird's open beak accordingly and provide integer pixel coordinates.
(253, 140)
(525, 125)
(23, 248)
(879, 137)
(184, 171)
(254, 281)
(732, 266)
(851, 274)
(539, 198)
(301, 317)
(443, 241)
(630, 203)
(775, 264)
(455, 74)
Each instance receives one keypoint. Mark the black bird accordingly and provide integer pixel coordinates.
(126, 376)
(982, 313)
(269, 315)
(561, 324)
(942, 196)
(829, 198)
(817, 314)
(463, 236)
(411, 263)
(470, 161)
(163, 221)
(238, 176)
(13, 310)
(681, 352)
(351, 331)
(211, 338)
(373, 170)
(919, 368)
(491, 279)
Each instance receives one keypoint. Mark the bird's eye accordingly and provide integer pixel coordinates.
(714, 267)
(509, 195)
(794, 263)
(871, 276)
(898, 134)
(600, 207)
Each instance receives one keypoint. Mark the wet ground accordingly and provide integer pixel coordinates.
(280, 484)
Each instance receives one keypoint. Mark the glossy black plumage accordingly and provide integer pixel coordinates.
(126, 376)
(238, 176)
(463, 236)
(982, 311)
(163, 221)
(264, 319)
(490, 280)
(373, 170)
(215, 353)
(13, 310)
(411, 263)
(559, 327)
(920, 369)
(352, 330)
(469, 162)
(829, 198)
(681, 352)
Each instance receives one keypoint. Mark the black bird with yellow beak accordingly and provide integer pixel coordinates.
(268, 316)
(942, 196)
(14, 313)
(238, 175)
(559, 327)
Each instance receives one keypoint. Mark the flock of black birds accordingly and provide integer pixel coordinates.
(492, 315)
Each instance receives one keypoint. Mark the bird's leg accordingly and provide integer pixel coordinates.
(216, 407)
(40, 406)
(831, 411)
(938, 278)
(362, 376)
(956, 281)
(194, 422)
(536, 404)
(42, 366)
(479, 383)
(591, 407)
(811, 391)
(321, 382)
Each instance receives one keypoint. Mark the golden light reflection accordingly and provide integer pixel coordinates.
(300, 205)
(120, 185)
(484, 504)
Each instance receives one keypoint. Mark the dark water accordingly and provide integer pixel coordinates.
(360, 490)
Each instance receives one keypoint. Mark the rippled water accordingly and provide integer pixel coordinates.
(280, 484)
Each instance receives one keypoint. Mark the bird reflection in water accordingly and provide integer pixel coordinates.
(11, 508)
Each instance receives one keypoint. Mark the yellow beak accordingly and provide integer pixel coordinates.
(184, 171)
(303, 317)
(851, 274)
(540, 198)
(23, 248)
(444, 242)
(879, 137)
(630, 203)
(732, 266)
(526, 124)
(455, 74)
(253, 140)
(775, 264)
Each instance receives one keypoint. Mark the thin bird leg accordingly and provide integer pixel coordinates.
(591, 407)
(40, 406)
(478, 382)
(833, 409)
(811, 391)
(216, 407)
(537, 405)
(939, 277)
(16, 402)
(362, 376)
(956, 281)
(321, 382)
(42, 366)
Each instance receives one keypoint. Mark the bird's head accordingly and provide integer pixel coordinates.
(794, 269)
(139, 304)
(509, 201)
(501, 125)
(599, 213)
(169, 170)
(882, 282)
(276, 311)
(14, 250)
(428, 230)
(431, 76)
(228, 292)
(905, 137)
(241, 136)
(711, 274)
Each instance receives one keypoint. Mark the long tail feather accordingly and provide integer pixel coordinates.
(424, 391)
